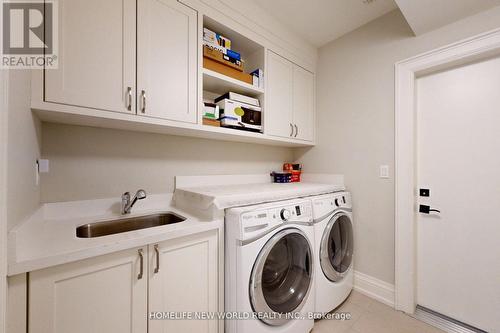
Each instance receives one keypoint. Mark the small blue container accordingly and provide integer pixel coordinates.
(281, 177)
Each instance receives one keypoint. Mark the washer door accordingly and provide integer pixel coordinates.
(336, 248)
(282, 276)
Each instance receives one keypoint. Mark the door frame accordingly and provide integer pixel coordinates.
(406, 72)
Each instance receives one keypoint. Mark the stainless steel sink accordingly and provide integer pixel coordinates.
(117, 226)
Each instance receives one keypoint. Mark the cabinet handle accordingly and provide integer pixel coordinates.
(296, 130)
(141, 262)
(143, 98)
(129, 98)
(157, 268)
(291, 126)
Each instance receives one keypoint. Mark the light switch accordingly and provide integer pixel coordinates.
(43, 166)
(384, 171)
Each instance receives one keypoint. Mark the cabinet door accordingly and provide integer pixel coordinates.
(303, 104)
(167, 60)
(99, 295)
(186, 280)
(96, 56)
(279, 92)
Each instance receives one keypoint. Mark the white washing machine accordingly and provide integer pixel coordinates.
(270, 268)
(333, 252)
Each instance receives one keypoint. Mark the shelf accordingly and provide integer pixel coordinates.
(57, 113)
(221, 84)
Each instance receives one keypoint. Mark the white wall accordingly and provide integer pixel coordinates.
(23, 149)
(355, 104)
(90, 163)
(3, 195)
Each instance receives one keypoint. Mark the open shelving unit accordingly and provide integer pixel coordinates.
(216, 84)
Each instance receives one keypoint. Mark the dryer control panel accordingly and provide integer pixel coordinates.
(259, 222)
(326, 204)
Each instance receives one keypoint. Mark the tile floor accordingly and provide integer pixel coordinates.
(370, 316)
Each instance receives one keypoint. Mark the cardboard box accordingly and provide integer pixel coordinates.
(218, 56)
(211, 122)
(226, 70)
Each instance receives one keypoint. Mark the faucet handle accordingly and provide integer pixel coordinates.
(140, 194)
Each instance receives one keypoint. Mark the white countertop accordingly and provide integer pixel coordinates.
(48, 238)
(210, 201)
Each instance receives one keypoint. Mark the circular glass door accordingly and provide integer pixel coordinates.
(336, 247)
(282, 276)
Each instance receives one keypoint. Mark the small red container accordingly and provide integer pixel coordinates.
(294, 169)
(296, 176)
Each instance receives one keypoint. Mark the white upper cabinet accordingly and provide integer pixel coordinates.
(279, 96)
(96, 56)
(143, 61)
(289, 100)
(303, 104)
(167, 60)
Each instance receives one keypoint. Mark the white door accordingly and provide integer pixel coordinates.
(167, 60)
(279, 96)
(96, 56)
(303, 104)
(105, 294)
(184, 278)
(459, 162)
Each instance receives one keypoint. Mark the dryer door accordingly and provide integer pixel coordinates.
(282, 276)
(336, 248)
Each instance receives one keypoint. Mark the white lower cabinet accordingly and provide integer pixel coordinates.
(110, 293)
(99, 295)
(184, 278)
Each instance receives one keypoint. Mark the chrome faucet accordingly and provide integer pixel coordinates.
(127, 204)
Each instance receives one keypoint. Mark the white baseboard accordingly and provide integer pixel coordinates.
(374, 288)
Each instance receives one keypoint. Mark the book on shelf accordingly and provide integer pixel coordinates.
(230, 53)
(259, 73)
(211, 53)
(239, 98)
(214, 38)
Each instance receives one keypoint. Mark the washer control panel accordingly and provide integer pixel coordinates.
(258, 222)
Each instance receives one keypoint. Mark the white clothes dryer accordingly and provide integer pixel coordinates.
(333, 252)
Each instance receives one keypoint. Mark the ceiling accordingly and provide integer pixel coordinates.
(442, 12)
(321, 21)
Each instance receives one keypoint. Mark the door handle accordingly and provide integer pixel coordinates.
(424, 209)
(296, 130)
(291, 127)
(143, 99)
(141, 263)
(157, 251)
(129, 98)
